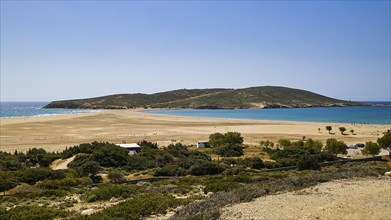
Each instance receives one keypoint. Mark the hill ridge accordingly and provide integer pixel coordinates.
(216, 98)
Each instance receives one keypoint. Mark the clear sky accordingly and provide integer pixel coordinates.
(53, 50)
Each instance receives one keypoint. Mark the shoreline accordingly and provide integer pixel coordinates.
(149, 111)
(55, 132)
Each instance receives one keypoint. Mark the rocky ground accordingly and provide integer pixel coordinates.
(368, 198)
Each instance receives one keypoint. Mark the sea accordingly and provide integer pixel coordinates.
(28, 109)
(353, 115)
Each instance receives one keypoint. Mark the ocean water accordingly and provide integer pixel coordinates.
(25, 109)
(356, 114)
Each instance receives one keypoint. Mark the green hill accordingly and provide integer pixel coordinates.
(254, 97)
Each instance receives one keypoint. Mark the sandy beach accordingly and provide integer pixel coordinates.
(57, 132)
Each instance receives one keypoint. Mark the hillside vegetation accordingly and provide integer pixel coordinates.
(254, 97)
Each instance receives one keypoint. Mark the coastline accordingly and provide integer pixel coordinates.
(55, 132)
(314, 114)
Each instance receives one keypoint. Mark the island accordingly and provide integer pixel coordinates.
(246, 98)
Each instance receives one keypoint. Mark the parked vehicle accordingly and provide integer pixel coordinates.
(355, 146)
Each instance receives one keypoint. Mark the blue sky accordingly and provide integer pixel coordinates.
(53, 50)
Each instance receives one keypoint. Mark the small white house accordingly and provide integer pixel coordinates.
(133, 148)
(202, 144)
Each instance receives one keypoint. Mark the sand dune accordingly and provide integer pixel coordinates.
(56, 132)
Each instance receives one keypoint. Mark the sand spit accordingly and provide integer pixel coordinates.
(368, 198)
(56, 132)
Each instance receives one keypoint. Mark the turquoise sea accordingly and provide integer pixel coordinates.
(26, 109)
(356, 114)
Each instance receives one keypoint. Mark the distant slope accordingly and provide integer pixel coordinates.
(254, 97)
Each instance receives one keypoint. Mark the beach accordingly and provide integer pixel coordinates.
(54, 133)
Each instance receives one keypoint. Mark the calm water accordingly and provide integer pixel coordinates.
(357, 114)
(24, 109)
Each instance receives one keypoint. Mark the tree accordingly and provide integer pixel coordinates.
(385, 141)
(352, 131)
(229, 138)
(371, 148)
(90, 167)
(233, 138)
(315, 144)
(216, 139)
(7, 181)
(147, 144)
(342, 130)
(335, 147)
(329, 128)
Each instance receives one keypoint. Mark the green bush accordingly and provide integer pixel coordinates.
(138, 207)
(65, 183)
(116, 176)
(307, 162)
(205, 168)
(33, 175)
(169, 170)
(32, 213)
(221, 186)
(106, 192)
(335, 147)
(253, 162)
(229, 151)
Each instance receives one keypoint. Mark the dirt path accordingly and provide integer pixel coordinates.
(368, 198)
(61, 164)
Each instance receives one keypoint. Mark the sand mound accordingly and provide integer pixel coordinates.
(368, 198)
(61, 164)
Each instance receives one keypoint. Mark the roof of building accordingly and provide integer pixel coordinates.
(132, 145)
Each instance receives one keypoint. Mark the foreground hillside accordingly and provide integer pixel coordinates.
(254, 97)
(364, 198)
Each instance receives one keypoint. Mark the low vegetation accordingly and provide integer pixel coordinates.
(160, 178)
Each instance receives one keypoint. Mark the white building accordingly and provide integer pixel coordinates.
(133, 148)
(202, 144)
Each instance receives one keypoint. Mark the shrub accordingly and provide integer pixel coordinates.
(229, 151)
(116, 176)
(111, 156)
(253, 162)
(169, 170)
(106, 192)
(284, 142)
(147, 144)
(216, 139)
(229, 138)
(221, 186)
(385, 141)
(138, 207)
(65, 183)
(307, 162)
(32, 213)
(335, 147)
(33, 175)
(371, 148)
(205, 168)
(7, 181)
